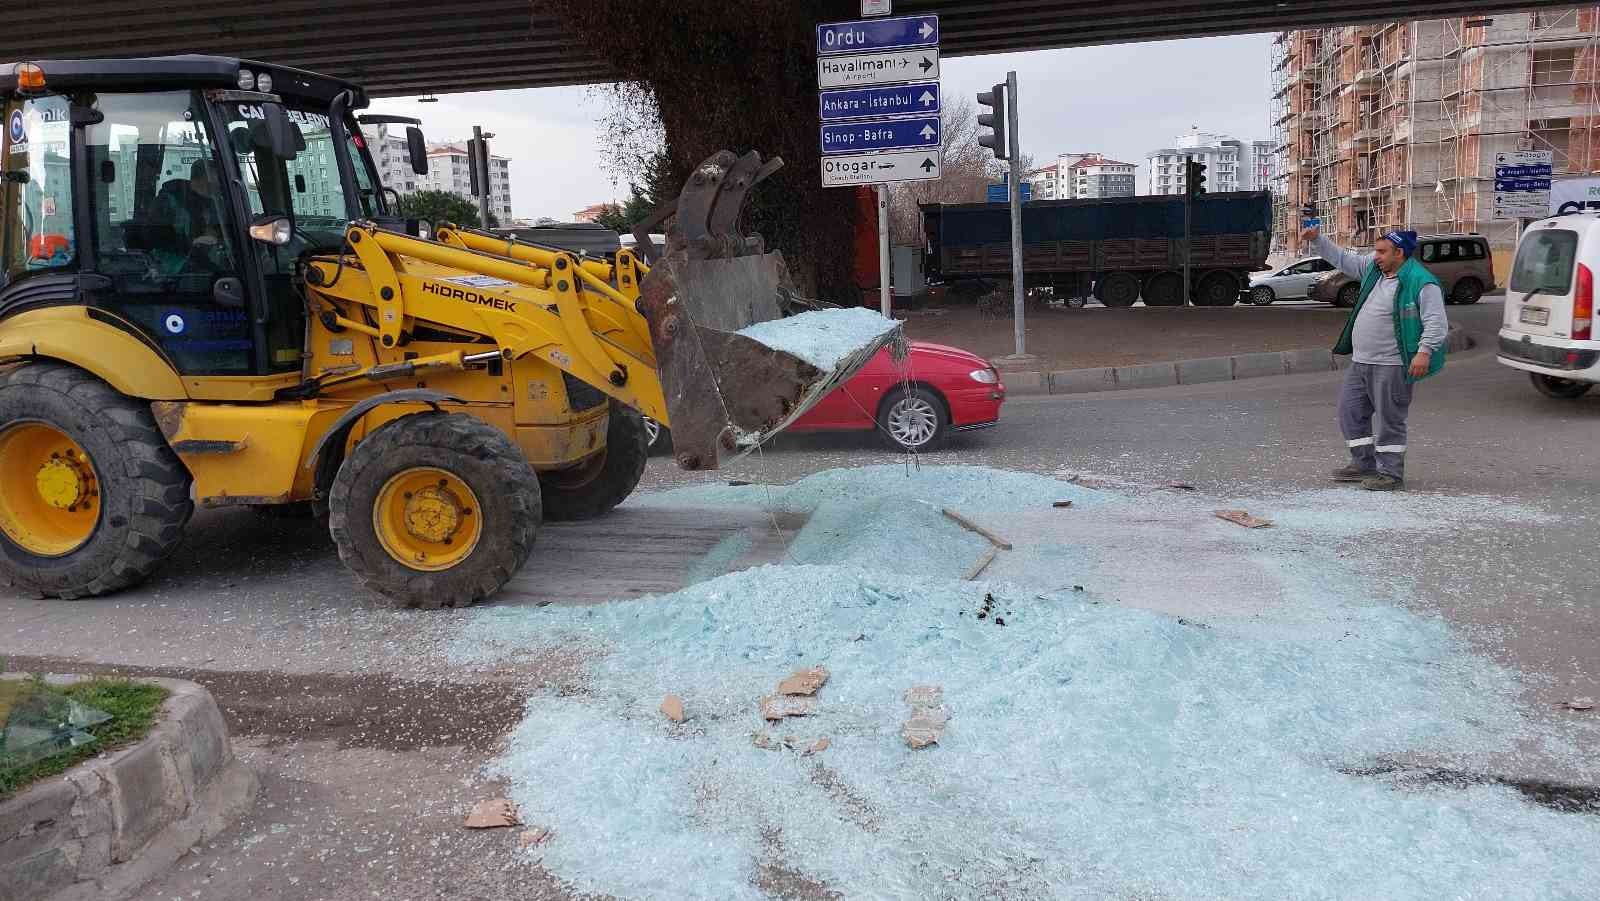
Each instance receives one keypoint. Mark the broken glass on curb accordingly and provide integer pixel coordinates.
(37, 721)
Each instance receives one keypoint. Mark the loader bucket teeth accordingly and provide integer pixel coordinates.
(725, 392)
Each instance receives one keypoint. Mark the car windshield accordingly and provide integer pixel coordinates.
(307, 185)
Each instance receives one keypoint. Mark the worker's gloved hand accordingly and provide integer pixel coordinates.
(1308, 235)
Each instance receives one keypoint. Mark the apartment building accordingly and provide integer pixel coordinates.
(1078, 175)
(1397, 124)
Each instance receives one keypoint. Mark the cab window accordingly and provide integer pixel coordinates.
(36, 227)
(1545, 260)
(161, 230)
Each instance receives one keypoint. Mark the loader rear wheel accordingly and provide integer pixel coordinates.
(92, 499)
(605, 480)
(435, 510)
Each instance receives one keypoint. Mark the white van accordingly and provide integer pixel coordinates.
(1549, 329)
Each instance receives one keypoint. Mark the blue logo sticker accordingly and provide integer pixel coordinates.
(175, 323)
(19, 132)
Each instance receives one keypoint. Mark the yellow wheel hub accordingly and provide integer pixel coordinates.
(49, 496)
(427, 519)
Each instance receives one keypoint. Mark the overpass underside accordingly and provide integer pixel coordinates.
(479, 45)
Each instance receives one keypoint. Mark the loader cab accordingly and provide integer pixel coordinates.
(174, 198)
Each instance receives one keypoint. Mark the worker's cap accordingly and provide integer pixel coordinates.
(1405, 240)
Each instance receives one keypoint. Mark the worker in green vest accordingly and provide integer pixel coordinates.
(1395, 338)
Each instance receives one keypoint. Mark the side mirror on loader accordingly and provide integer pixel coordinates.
(417, 148)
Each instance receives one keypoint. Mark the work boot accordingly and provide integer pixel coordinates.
(1382, 481)
(1351, 473)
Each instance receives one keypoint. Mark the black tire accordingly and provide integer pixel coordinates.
(1466, 291)
(1164, 289)
(595, 487)
(913, 419)
(142, 489)
(1262, 296)
(471, 450)
(1559, 388)
(1347, 296)
(1217, 288)
(1117, 289)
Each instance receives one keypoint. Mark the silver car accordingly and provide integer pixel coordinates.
(1289, 283)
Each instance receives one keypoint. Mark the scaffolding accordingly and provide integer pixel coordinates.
(1395, 125)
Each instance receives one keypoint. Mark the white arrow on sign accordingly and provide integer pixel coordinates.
(926, 98)
(926, 31)
(927, 132)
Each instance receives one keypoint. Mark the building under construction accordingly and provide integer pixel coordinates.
(1396, 125)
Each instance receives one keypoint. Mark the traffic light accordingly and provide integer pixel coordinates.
(1194, 178)
(995, 99)
(478, 165)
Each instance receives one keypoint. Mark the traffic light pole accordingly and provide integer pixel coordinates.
(1015, 193)
(1188, 207)
(479, 164)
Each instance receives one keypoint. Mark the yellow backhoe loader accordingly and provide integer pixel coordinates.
(208, 299)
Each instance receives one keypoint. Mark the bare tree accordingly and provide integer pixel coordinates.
(969, 167)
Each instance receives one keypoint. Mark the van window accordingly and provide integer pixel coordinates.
(1469, 250)
(1438, 252)
(1545, 260)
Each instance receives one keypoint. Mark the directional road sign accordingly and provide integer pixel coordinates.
(881, 134)
(1522, 183)
(1000, 194)
(921, 98)
(889, 67)
(878, 34)
(880, 168)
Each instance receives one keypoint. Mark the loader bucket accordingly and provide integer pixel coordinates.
(728, 392)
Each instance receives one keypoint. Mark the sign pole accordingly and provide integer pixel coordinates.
(884, 300)
(1015, 190)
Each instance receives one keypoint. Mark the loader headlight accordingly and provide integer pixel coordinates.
(271, 229)
(264, 83)
(985, 376)
(247, 80)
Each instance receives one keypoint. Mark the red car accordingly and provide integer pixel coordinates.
(914, 403)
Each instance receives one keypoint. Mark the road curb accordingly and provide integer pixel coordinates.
(112, 823)
(1197, 371)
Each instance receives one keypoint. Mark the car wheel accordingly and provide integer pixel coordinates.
(1563, 389)
(658, 436)
(1347, 296)
(1262, 296)
(1466, 291)
(913, 419)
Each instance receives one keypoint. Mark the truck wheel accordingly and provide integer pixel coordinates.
(435, 510)
(604, 480)
(1468, 290)
(1562, 389)
(1217, 289)
(1118, 289)
(91, 497)
(1164, 289)
(1347, 296)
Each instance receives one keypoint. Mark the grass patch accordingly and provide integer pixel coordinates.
(133, 707)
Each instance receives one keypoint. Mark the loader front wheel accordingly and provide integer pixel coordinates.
(605, 480)
(92, 499)
(435, 510)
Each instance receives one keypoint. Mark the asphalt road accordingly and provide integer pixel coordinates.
(369, 740)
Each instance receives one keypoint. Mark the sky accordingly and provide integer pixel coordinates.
(1122, 100)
